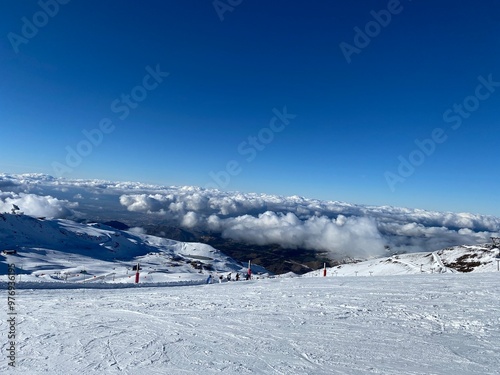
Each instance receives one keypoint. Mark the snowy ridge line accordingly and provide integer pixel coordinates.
(94, 285)
(67, 252)
(458, 259)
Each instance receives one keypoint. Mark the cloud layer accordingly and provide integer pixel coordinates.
(297, 222)
(355, 236)
(36, 205)
(292, 222)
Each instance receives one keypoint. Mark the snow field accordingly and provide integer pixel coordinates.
(413, 324)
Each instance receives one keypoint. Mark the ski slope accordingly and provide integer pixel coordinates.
(413, 324)
(63, 251)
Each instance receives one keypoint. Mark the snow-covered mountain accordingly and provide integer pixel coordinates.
(66, 251)
(458, 259)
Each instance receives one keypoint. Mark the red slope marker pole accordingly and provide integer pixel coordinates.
(324, 270)
(137, 274)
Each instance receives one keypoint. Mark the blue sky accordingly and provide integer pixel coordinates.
(349, 124)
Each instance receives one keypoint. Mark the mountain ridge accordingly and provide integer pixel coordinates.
(61, 250)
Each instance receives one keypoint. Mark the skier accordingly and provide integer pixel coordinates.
(209, 279)
(237, 277)
(229, 276)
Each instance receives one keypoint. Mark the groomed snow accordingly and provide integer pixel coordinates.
(412, 324)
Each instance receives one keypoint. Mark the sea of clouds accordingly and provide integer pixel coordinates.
(292, 222)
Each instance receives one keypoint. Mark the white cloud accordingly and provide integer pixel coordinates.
(137, 230)
(355, 236)
(190, 220)
(36, 205)
(312, 224)
(144, 203)
(264, 219)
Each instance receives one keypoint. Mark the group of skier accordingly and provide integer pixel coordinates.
(221, 278)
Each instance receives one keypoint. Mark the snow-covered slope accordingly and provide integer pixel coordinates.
(66, 251)
(480, 258)
(444, 324)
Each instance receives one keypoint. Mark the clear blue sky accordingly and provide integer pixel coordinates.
(353, 120)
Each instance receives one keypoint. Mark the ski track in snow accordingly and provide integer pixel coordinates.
(418, 324)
